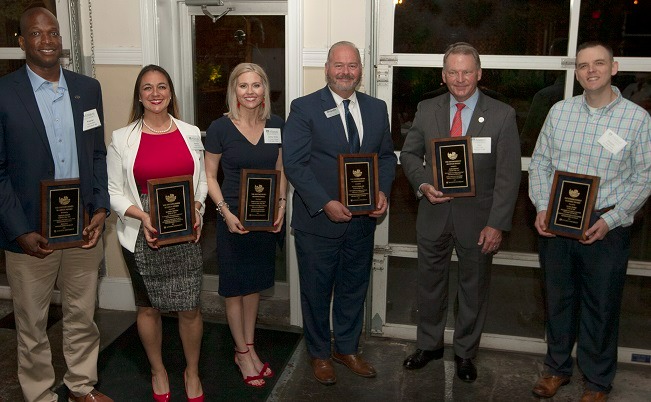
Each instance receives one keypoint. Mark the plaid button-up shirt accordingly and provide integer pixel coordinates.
(568, 142)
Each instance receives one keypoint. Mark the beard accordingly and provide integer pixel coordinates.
(343, 86)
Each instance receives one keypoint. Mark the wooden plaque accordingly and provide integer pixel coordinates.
(258, 207)
(171, 209)
(63, 216)
(452, 164)
(571, 204)
(358, 182)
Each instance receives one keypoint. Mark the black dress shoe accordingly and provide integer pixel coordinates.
(466, 369)
(421, 357)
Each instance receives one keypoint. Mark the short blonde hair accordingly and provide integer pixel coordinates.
(264, 113)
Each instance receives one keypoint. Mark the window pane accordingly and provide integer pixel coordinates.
(635, 318)
(515, 302)
(222, 45)
(503, 27)
(10, 19)
(622, 24)
(404, 207)
(515, 305)
(635, 86)
(9, 66)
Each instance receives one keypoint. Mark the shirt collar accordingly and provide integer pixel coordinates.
(470, 102)
(37, 81)
(339, 99)
(608, 107)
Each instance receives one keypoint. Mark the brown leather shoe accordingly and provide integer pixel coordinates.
(323, 371)
(548, 384)
(356, 364)
(594, 396)
(92, 396)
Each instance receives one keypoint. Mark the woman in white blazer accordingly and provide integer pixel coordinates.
(157, 145)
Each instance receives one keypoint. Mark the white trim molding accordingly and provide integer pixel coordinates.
(116, 294)
(119, 55)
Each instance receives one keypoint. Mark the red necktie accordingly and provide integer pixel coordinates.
(457, 127)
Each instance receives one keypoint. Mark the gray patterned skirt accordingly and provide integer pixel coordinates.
(172, 274)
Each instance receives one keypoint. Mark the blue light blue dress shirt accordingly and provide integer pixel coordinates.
(56, 112)
(466, 112)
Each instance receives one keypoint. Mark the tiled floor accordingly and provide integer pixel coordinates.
(502, 376)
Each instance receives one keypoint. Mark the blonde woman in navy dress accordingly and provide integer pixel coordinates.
(234, 142)
(157, 145)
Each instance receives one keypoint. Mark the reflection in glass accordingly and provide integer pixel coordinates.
(504, 27)
(624, 25)
(636, 87)
(222, 45)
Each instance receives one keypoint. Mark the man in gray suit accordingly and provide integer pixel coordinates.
(471, 225)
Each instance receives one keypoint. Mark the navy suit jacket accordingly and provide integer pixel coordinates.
(312, 143)
(26, 158)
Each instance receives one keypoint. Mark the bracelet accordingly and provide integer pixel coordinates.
(281, 206)
(221, 204)
(282, 199)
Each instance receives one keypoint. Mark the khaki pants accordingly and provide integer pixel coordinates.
(75, 272)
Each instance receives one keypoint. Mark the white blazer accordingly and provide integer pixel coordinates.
(121, 155)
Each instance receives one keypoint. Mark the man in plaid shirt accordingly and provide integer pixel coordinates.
(601, 134)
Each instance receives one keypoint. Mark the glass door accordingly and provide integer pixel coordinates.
(214, 40)
(527, 52)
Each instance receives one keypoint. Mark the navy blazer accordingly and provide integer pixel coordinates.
(312, 143)
(26, 158)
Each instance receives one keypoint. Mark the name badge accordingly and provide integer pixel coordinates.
(332, 112)
(481, 145)
(195, 142)
(272, 136)
(612, 142)
(91, 119)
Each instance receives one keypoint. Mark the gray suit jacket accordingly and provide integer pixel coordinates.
(497, 174)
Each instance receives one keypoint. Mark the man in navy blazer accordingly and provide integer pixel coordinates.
(472, 226)
(333, 247)
(51, 128)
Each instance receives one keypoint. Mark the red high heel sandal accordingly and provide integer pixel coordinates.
(159, 397)
(249, 379)
(199, 398)
(266, 371)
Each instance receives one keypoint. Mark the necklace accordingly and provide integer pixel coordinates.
(158, 131)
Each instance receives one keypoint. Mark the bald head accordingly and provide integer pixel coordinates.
(41, 40)
(26, 18)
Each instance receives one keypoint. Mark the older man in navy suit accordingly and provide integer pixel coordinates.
(335, 248)
(51, 128)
